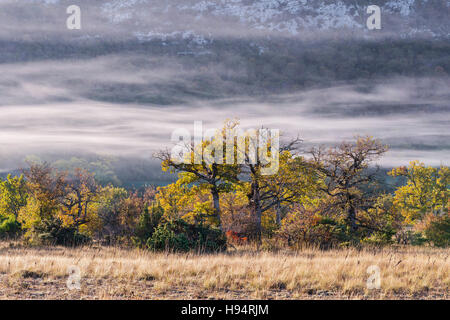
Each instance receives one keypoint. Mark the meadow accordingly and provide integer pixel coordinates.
(239, 273)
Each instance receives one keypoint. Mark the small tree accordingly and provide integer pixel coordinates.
(347, 176)
(13, 195)
(438, 231)
(81, 191)
(46, 189)
(427, 190)
(109, 208)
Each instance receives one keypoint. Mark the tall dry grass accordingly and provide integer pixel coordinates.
(244, 273)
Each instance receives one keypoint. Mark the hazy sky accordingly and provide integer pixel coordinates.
(128, 103)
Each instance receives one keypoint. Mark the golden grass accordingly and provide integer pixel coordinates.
(137, 274)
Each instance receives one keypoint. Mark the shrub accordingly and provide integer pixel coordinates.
(147, 224)
(379, 238)
(438, 231)
(167, 237)
(52, 231)
(416, 238)
(178, 235)
(9, 227)
(303, 227)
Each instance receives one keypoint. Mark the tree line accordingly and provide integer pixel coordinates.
(325, 196)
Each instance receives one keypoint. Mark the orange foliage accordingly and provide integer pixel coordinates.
(235, 238)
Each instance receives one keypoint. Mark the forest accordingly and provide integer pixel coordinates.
(325, 197)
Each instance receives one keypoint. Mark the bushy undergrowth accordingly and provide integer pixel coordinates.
(308, 228)
(9, 227)
(438, 232)
(147, 224)
(53, 232)
(178, 235)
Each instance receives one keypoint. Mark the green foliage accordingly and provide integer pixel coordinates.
(269, 224)
(109, 210)
(438, 232)
(427, 190)
(168, 236)
(148, 222)
(178, 235)
(9, 227)
(53, 232)
(416, 238)
(379, 238)
(381, 222)
(13, 195)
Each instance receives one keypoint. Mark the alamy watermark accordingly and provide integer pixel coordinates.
(374, 280)
(73, 22)
(228, 146)
(74, 280)
(374, 20)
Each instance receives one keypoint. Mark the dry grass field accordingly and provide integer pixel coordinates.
(113, 273)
